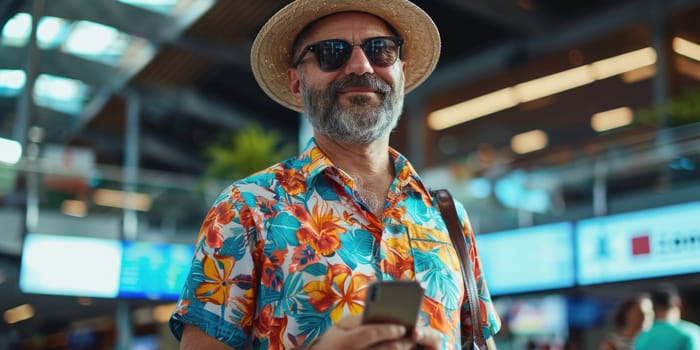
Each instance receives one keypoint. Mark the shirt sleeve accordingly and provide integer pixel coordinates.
(490, 321)
(219, 293)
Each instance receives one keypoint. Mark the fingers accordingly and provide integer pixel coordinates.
(427, 337)
(350, 333)
(349, 322)
(370, 335)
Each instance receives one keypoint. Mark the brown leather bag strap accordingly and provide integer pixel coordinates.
(451, 218)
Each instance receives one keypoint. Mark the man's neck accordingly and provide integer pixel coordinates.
(366, 160)
(368, 165)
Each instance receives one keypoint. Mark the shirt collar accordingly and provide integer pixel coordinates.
(316, 163)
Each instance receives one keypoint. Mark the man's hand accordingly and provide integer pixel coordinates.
(350, 333)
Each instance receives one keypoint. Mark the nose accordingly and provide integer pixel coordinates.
(358, 63)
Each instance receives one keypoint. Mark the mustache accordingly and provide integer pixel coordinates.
(365, 80)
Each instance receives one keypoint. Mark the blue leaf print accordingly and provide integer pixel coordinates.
(234, 246)
(317, 269)
(357, 248)
(326, 192)
(281, 232)
(441, 284)
(292, 289)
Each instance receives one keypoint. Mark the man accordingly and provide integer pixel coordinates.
(669, 331)
(285, 256)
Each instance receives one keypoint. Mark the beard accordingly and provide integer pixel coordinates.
(362, 121)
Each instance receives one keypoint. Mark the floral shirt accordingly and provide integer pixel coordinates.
(287, 252)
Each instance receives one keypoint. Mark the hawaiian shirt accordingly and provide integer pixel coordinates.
(285, 253)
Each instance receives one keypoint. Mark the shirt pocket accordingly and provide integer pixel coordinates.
(436, 265)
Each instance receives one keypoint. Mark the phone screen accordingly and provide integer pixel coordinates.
(393, 302)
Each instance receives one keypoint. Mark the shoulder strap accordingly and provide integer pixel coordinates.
(449, 215)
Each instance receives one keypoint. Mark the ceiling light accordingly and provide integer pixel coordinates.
(555, 83)
(686, 48)
(623, 63)
(121, 199)
(84, 301)
(545, 86)
(529, 141)
(612, 119)
(19, 314)
(10, 151)
(472, 109)
(74, 208)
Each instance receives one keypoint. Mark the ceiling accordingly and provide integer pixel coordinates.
(197, 88)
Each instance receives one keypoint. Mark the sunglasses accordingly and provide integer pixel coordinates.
(332, 54)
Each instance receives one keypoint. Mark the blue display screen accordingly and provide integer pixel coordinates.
(96, 267)
(528, 259)
(154, 270)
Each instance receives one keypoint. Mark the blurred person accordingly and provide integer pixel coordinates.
(631, 317)
(669, 331)
(284, 257)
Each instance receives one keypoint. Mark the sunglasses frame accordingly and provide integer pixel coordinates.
(313, 47)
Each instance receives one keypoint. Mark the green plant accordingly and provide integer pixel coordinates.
(680, 110)
(249, 150)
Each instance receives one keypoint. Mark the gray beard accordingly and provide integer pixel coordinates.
(360, 123)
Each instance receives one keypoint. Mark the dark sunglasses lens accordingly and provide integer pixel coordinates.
(383, 52)
(332, 54)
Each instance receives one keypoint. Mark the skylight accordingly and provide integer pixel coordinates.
(50, 32)
(96, 41)
(11, 82)
(164, 7)
(16, 30)
(59, 93)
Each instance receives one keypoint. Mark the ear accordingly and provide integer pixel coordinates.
(294, 82)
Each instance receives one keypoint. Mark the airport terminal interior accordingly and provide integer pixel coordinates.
(570, 131)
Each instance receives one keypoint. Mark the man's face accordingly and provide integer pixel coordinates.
(360, 102)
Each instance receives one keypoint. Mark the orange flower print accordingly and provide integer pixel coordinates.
(271, 328)
(217, 216)
(341, 292)
(246, 218)
(317, 159)
(292, 181)
(398, 261)
(246, 305)
(397, 213)
(217, 283)
(320, 229)
(437, 315)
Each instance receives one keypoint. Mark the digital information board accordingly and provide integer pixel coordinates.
(528, 259)
(94, 267)
(643, 244)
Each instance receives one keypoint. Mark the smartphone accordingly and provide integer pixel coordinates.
(393, 302)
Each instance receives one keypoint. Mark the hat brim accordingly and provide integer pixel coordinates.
(271, 53)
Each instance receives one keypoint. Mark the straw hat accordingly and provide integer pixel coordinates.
(271, 54)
